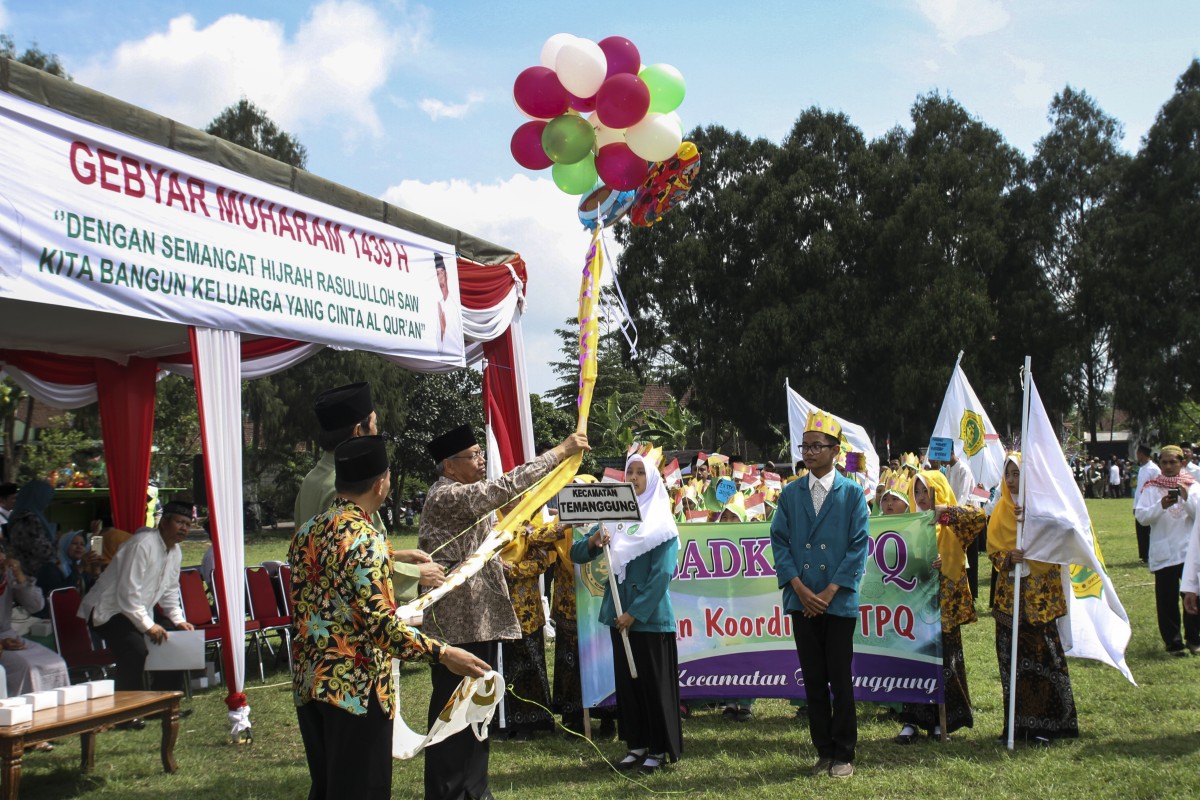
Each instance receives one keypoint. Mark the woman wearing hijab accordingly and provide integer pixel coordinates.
(643, 557)
(76, 566)
(957, 527)
(1045, 703)
(28, 666)
(31, 536)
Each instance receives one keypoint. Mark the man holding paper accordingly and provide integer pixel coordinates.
(120, 607)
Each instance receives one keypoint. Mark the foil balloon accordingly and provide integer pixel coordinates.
(604, 205)
(666, 185)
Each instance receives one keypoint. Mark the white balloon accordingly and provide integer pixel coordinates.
(581, 66)
(674, 117)
(655, 138)
(604, 134)
(552, 46)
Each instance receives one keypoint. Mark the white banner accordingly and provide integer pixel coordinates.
(94, 219)
(855, 435)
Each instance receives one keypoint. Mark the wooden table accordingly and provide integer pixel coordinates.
(87, 719)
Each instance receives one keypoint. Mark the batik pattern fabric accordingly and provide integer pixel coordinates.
(958, 696)
(1042, 598)
(344, 627)
(961, 524)
(1045, 701)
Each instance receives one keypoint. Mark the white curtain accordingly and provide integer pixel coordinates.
(55, 395)
(259, 367)
(522, 381)
(217, 356)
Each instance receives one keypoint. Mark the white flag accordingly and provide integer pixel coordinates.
(1058, 530)
(856, 435)
(963, 419)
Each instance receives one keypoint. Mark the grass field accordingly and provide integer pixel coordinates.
(1136, 742)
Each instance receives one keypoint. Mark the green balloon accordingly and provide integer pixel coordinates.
(577, 178)
(568, 138)
(666, 87)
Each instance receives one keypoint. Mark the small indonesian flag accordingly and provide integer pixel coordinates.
(613, 476)
(771, 480)
(717, 458)
(671, 474)
(696, 516)
(750, 479)
(739, 470)
(756, 506)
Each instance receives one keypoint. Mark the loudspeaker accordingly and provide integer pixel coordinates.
(199, 481)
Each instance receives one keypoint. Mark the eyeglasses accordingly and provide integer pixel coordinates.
(816, 448)
(479, 456)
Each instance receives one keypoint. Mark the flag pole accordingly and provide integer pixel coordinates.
(1016, 616)
(612, 587)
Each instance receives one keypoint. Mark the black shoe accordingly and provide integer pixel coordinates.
(743, 715)
(135, 724)
(631, 760)
(653, 764)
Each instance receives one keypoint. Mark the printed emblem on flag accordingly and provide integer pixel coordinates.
(1085, 582)
(971, 432)
(594, 575)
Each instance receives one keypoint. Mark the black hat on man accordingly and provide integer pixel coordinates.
(360, 459)
(452, 442)
(344, 406)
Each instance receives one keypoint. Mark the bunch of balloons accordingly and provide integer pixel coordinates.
(630, 125)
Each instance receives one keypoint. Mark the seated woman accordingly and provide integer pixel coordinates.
(643, 560)
(76, 566)
(30, 667)
(1045, 708)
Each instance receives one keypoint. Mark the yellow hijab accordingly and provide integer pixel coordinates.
(1002, 527)
(954, 560)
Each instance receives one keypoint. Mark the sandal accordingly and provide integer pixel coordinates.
(653, 763)
(632, 760)
(907, 735)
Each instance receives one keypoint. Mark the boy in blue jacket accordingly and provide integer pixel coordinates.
(819, 538)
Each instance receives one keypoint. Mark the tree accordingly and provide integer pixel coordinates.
(672, 429)
(437, 403)
(58, 453)
(551, 424)
(33, 57)
(1155, 328)
(614, 376)
(246, 124)
(1075, 169)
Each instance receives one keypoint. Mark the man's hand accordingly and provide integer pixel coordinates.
(1169, 500)
(575, 443)
(157, 634)
(432, 575)
(12, 643)
(1191, 603)
(814, 606)
(412, 556)
(186, 626)
(462, 662)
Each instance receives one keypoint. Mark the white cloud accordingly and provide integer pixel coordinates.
(1033, 90)
(439, 109)
(340, 55)
(956, 20)
(532, 217)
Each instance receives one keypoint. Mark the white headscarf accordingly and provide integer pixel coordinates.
(630, 540)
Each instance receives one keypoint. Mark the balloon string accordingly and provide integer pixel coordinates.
(510, 692)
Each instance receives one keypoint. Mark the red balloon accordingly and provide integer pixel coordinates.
(584, 105)
(620, 168)
(538, 93)
(622, 101)
(622, 56)
(526, 145)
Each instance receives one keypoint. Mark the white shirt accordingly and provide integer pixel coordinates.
(1170, 528)
(1114, 475)
(207, 565)
(1145, 472)
(142, 573)
(1191, 564)
(962, 482)
(826, 485)
(1194, 469)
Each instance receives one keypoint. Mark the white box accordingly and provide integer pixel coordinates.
(15, 715)
(68, 695)
(99, 689)
(9, 702)
(42, 700)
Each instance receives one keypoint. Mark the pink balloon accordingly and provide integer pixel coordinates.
(584, 105)
(538, 93)
(621, 54)
(526, 146)
(622, 100)
(620, 168)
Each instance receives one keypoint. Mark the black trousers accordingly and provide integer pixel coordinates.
(349, 755)
(456, 768)
(1167, 601)
(1143, 540)
(825, 644)
(972, 568)
(129, 649)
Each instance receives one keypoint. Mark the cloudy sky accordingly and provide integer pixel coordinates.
(413, 102)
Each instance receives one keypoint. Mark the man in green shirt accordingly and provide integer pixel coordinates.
(347, 412)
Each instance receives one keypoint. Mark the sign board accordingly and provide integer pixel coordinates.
(597, 502)
(940, 448)
(725, 490)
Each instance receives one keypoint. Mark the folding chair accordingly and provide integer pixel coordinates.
(265, 610)
(73, 638)
(252, 632)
